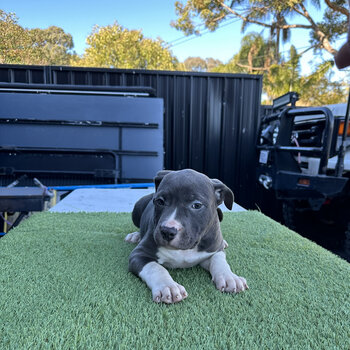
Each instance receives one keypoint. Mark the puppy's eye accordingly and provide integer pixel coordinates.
(196, 205)
(159, 201)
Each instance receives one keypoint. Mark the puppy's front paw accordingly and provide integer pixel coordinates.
(133, 237)
(169, 293)
(230, 283)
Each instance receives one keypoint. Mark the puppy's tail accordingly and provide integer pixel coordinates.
(139, 207)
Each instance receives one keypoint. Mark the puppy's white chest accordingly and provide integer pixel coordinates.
(177, 258)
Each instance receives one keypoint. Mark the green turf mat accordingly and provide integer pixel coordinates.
(64, 284)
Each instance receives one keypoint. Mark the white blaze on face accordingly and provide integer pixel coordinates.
(171, 222)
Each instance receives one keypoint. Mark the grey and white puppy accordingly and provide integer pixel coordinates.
(180, 227)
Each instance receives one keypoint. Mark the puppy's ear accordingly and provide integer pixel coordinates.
(222, 193)
(159, 177)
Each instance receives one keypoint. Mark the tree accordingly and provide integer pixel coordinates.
(117, 47)
(50, 46)
(198, 64)
(256, 56)
(13, 39)
(32, 46)
(275, 15)
(284, 77)
(319, 89)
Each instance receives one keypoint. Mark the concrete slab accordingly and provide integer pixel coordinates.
(107, 200)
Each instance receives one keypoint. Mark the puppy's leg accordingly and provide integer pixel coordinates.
(224, 279)
(133, 237)
(164, 288)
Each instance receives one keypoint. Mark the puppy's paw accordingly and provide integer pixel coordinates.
(133, 237)
(169, 293)
(230, 283)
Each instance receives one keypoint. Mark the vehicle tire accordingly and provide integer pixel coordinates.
(289, 215)
(312, 224)
(298, 219)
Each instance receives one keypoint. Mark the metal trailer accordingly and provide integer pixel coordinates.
(73, 135)
(79, 135)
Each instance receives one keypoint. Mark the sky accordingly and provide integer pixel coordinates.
(153, 17)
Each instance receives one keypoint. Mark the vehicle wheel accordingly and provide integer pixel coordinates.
(297, 218)
(289, 215)
(314, 225)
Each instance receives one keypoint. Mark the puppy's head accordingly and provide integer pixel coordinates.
(185, 206)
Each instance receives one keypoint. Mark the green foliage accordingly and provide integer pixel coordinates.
(20, 45)
(117, 47)
(208, 11)
(333, 24)
(257, 56)
(12, 39)
(110, 46)
(319, 89)
(279, 17)
(51, 46)
(315, 89)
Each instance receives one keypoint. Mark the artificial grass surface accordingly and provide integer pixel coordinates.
(64, 284)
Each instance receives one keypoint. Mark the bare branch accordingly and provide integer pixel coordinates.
(325, 43)
(337, 8)
(252, 68)
(287, 26)
(301, 9)
(305, 14)
(247, 19)
(309, 48)
(244, 18)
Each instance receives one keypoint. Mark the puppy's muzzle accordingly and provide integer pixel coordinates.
(168, 233)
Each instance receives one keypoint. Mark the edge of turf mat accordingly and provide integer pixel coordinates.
(64, 284)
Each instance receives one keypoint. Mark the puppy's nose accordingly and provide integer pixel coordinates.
(168, 233)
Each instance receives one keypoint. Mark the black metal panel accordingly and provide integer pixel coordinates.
(33, 162)
(22, 199)
(85, 133)
(210, 119)
(23, 74)
(138, 91)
